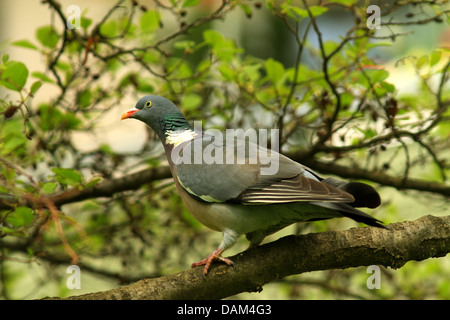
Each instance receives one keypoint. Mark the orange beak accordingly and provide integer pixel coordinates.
(129, 113)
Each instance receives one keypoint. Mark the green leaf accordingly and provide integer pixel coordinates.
(423, 60)
(106, 149)
(377, 75)
(11, 232)
(47, 36)
(346, 99)
(13, 142)
(435, 57)
(286, 9)
(149, 21)
(69, 177)
(70, 121)
(35, 87)
(378, 44)
(212, 37)
(253, 72)
(179, 68)
(203, 66)
(49, 187)
(93, 182)
(151, 56)
(85, 22)
(247, 9)
(49, 118)
(21, 216)
(184, 45)
(344, 2)
(84, 98)
(9, 176)
(302, 13)
(275, 70)
(13, 75)
(317, 10)
(109, 29)
(329, 46)
(223, 48)
(190, 3)
(227, 72)
(25, 44)
(43, 77)
(191, 101)
(389, 87)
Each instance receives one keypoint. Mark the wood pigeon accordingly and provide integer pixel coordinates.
(235, 196)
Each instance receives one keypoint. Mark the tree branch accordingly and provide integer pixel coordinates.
(375, 176)
(424, 238)
(105, 189)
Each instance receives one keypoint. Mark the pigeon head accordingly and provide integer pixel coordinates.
(159, 113)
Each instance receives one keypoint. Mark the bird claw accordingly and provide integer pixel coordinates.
(215, 255)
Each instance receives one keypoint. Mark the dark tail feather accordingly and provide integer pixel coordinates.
(348, 211)
(360, 216)
(365, 195)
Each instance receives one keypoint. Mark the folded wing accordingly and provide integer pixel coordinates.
(245, 180)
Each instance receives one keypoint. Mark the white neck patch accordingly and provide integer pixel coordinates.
(180, 136)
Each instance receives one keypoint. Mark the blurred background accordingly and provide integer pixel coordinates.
(157, 236)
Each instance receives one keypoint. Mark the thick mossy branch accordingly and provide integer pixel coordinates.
(427, 237)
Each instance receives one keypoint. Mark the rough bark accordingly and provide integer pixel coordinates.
(424, 238)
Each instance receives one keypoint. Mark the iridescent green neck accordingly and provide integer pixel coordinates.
(176, 129)
(174, 122)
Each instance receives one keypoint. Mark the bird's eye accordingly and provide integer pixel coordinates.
(148, 104)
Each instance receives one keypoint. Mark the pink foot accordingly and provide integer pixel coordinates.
(216, 255)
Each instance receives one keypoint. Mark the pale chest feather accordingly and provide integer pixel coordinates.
(179, 136)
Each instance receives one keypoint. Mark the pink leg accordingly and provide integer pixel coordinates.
(215, 255)
(228, 239)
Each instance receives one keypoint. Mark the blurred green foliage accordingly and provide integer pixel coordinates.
(331, 99)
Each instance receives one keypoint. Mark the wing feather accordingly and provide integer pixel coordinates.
(299, 188)
(246, 182)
